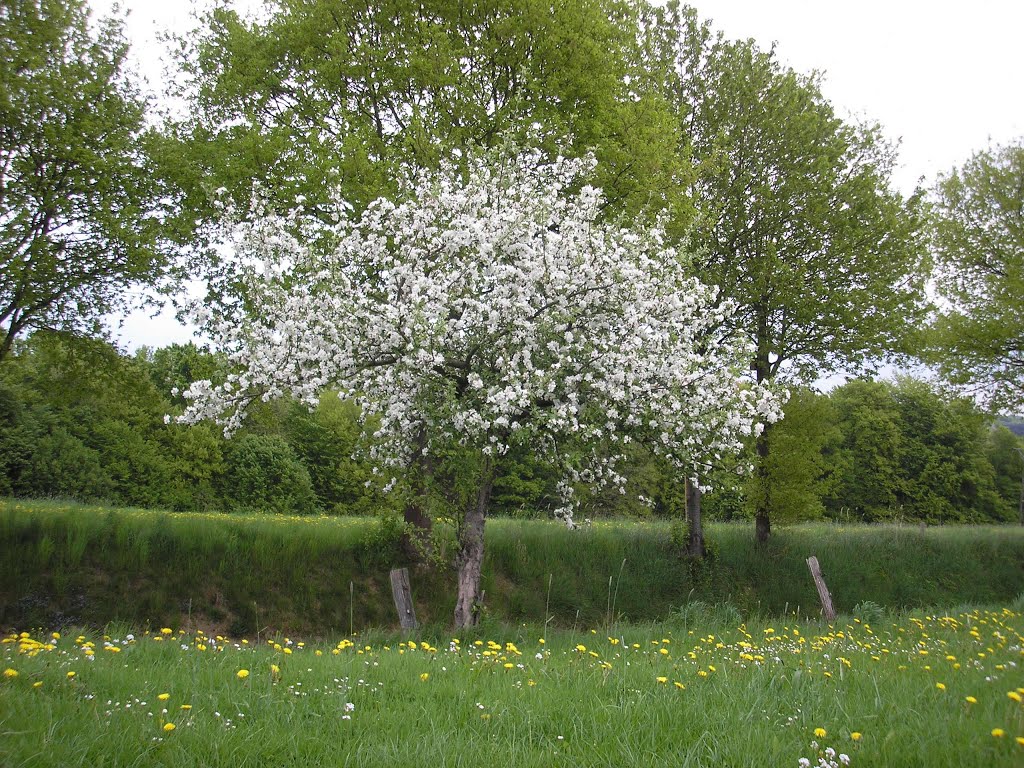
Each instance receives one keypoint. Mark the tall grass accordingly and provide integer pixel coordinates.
(243, 574)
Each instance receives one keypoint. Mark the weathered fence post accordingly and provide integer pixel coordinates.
(819, 582)
(402, 593)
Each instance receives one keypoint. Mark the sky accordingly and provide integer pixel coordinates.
(944, 79)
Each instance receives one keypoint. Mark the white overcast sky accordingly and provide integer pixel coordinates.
(943, 78)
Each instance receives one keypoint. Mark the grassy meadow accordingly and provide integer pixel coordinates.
(914, 689)
(139, 637)
(70, 564)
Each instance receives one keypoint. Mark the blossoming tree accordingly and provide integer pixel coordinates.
(493, 307)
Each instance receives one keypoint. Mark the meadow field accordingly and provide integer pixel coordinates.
(138, 637)
(909, 690)
(72, 564)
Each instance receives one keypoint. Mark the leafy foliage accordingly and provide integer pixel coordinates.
(978, 236)
(796, 222)
(907, 452)
(78, 199)
(313, 97)
(264, 474)
(799, 468)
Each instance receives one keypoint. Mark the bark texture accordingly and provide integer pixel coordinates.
(695, 525)
(470, 559)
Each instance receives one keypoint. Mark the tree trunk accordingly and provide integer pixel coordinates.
(416, 539)
(1020, 510)
(695, 526)
(762, 368)
(762, 526)
(470, 559)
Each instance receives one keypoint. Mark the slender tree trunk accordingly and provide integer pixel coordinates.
(762, 369)
(416, 539)
(470, 559)
(762, 523)
(1020, 511)
(695, 526)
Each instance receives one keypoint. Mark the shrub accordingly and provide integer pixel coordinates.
(264, 474)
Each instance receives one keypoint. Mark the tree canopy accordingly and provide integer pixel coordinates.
(318, 96)
(796, 221)
(78, 204)
(978, 238)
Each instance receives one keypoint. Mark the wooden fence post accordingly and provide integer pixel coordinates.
(402, 593)
(819, 582)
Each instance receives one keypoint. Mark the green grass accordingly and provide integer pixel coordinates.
(63, 563)
(752, 694)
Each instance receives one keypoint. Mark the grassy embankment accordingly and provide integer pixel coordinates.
(937, 690)
(87, 565)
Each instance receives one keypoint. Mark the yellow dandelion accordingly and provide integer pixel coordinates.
(1020, 741)
(71, 675)
(1014, 695)
(37, 684)
(941, 686)
(661, 679)
(166, 631)
(679, 685)
(10, 673)
(971, 700)
(164, 696)
(856, 735)
(425, 676)
(821, 733)
(242, 674)
(169, 727)
(186, 707)
(998, 733)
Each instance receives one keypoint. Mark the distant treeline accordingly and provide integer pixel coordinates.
(79, 420)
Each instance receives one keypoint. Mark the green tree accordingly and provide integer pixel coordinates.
(1005, 451)
(978, 239)
(78, 202)
(799, 469)
(327, 439)
(796, 221)
(264, 474)
(947, 476)
(80, 420)
(173, 368)
(909, 452)
(317, 96)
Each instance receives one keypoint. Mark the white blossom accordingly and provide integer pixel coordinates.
(492, 311)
